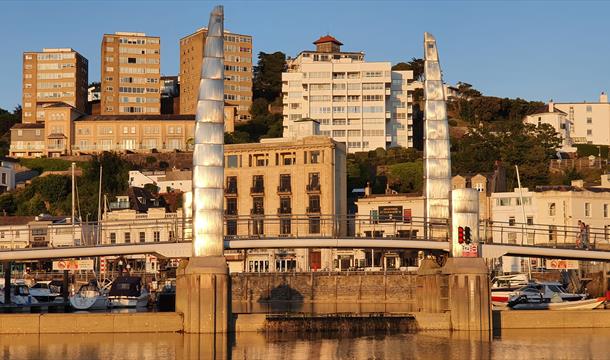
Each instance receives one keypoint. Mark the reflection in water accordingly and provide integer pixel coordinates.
(250, 307)
(540, 344)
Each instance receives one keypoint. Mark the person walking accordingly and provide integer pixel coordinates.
(580, 235)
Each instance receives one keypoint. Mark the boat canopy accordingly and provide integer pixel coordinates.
(126, 286)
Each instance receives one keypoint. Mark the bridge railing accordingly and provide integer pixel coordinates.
(546, 235)
(237, 227)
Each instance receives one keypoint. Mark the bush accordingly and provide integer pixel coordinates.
(590, 149)
(46, 164)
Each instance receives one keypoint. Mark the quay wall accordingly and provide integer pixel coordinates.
(548, 319)
(73, 323)
(390, 287)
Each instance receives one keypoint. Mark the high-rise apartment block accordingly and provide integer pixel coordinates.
(238, 71)
(53, 75)
(363, 104)
(130, 74)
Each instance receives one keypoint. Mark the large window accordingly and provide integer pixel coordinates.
(285, 184)
(231, 206)
(231, 187)
(552, 209)
(588, 209)
(314, 204)
(314, 225)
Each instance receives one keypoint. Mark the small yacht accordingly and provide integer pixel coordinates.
(20, 295)
(46, 291)
(127, 291)
(90, 297)
(544, 292)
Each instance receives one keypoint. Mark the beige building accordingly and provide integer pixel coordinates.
(67, 131)
(130, 74)
(286, 188)
(238, 71)
(550, 214)
(53, 75)
(588, 122)
(364, 105)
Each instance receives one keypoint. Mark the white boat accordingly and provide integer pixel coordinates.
(46, 291)
(20, 295)
(89, 297)
(502, 287)
(588, 304)
(127, 291)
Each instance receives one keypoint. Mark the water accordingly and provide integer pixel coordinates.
(514, 344)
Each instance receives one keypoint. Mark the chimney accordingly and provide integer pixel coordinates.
(551, 106)
(603, 97)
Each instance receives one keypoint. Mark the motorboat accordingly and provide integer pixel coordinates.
(523, 302)
(20, 295)
(502, 287)
(545, 292)
(127, 291)
(46, 291)
(90, 297)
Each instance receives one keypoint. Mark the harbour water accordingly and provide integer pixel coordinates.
(515, 344)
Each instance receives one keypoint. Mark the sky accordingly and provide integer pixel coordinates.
(533, 50)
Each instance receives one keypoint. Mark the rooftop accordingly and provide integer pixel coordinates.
(326, 39)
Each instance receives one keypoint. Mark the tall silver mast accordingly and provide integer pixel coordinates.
(437, 156)
(208, 155)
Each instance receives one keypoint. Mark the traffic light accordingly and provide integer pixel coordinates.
(460, 235)
(467, 236)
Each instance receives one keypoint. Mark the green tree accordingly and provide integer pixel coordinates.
(267, 80)
(7, 204)
(406, 177)
(415, 64)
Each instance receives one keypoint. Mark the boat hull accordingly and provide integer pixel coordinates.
(89, 303)
(589, 304)
(124, 301)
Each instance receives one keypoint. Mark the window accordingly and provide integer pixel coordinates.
(127, 238)
(232, 227)
(231, 206)
(142, 236)
(156, 236)
(503, 202)
(511, 221)
(314, 204)
(530, 220)
(314, 225)
(314, 157)
(258, 183)
(285, 183)
(589, 120)
(588, 209)
(231, 187)
(589, 108)
(285, 226)
(589, 132)
(605, 210)
(285, 207)
(552, 209)
(113, 238)
(258, 205)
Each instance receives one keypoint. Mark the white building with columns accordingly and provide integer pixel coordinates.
(363, 104)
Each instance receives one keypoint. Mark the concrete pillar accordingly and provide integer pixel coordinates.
(431, 293)
(203, 293)
(469, 294)
(7, 282)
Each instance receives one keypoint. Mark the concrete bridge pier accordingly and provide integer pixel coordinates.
(203, 294)
(469, 294)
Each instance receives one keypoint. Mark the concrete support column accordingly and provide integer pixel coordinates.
(431, 292)
(469, 294)
(203, 293)
(7, 282)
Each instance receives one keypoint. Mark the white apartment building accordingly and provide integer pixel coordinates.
(588, 122)
(165, 181)
(550, 214)
(363, 104)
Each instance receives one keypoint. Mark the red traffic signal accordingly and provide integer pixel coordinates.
(460, 235)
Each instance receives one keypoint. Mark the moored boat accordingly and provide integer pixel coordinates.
(89, 297)
(523, 303)
(127, 291)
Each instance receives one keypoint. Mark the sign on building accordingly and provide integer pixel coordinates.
(559, 264)
(390, 213)
(73, 265)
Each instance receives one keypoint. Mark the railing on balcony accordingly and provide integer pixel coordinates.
(17, 147)
(284, 189)
(231, 212)
(257, 211)
(258, 189)
(231, 190)
(284, 210)
(313, 209)
(313, 187)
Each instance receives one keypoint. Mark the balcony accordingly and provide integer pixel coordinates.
(313, 188)
(257, 190)
(313, 210)
(231, 212)
(284, 189)
(231, 191)
(284, 210)
(257, 211)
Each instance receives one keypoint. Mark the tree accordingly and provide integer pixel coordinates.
(406, 177)
(416, 65)
(267, 80)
